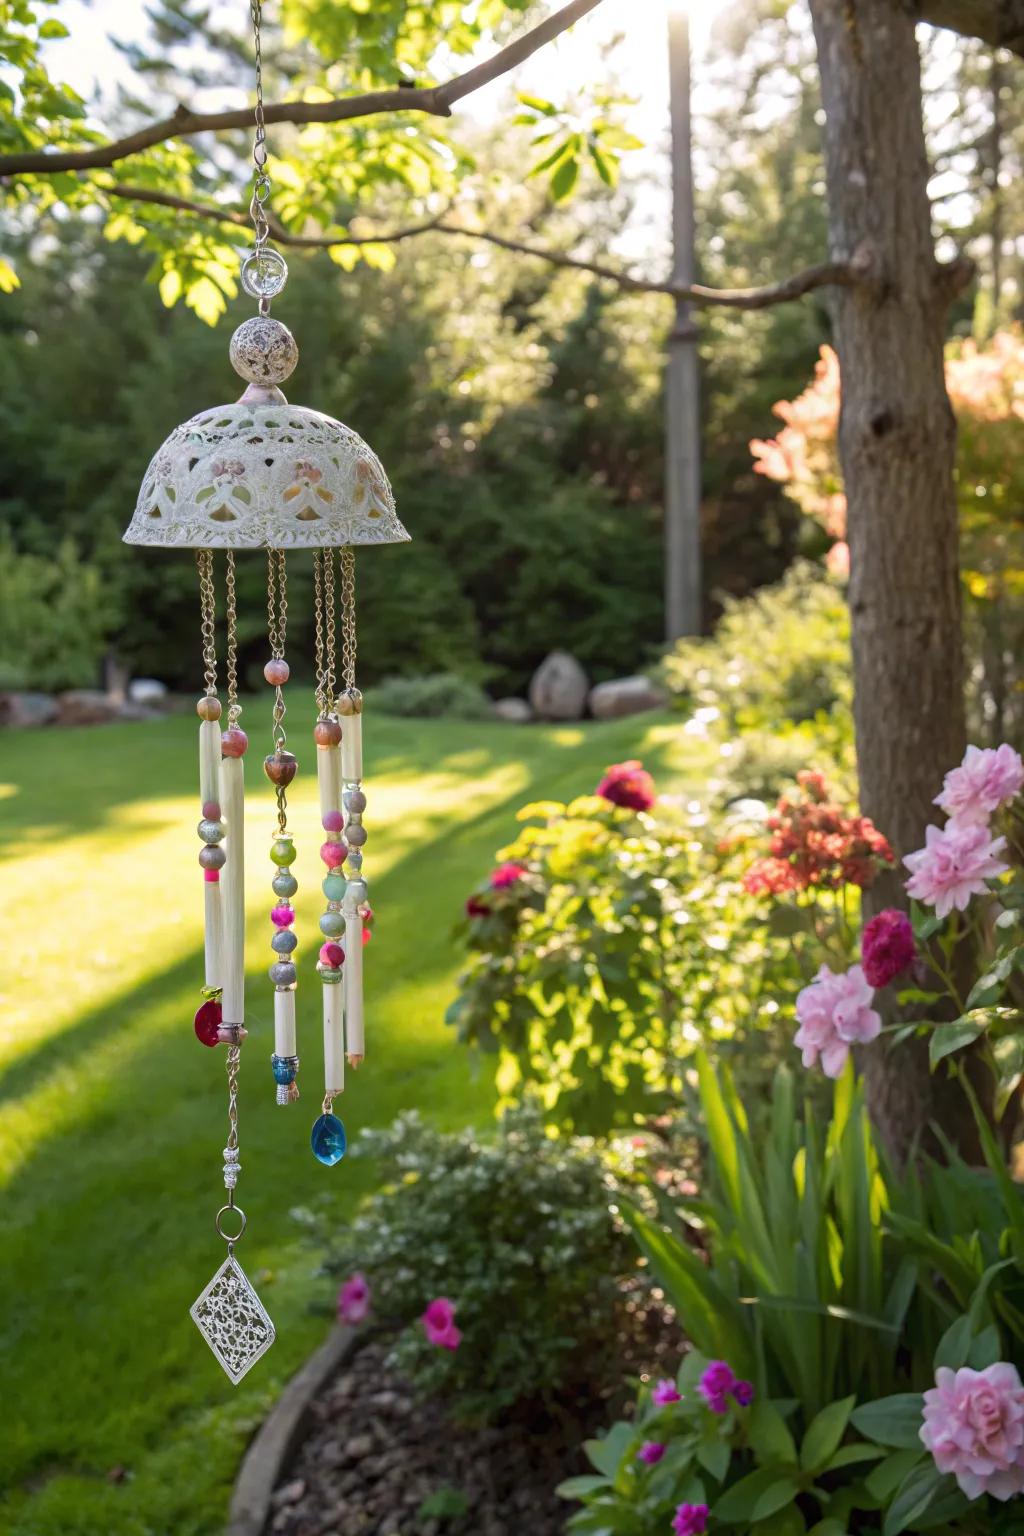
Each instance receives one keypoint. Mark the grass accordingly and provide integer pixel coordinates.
(116, 1420)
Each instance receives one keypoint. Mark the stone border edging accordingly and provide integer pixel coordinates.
(280, 1431)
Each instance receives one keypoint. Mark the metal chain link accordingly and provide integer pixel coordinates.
(208, 612)
(261, 181)
(322, 702)
(234, 1061)
(277, 630)
(348, 618)
(330, 639)
(231, 661)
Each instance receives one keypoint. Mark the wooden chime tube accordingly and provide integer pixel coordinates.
(232, 800)
(209, 794)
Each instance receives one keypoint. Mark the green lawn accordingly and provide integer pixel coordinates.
(116, 1419)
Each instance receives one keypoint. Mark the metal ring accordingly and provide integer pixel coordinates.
(220, 1229)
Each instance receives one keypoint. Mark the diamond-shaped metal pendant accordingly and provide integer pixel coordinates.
(233, 1320)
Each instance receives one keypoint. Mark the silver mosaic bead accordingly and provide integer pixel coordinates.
(263, 351)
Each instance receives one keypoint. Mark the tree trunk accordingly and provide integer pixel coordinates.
(897, 440)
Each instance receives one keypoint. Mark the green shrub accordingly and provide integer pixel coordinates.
(518, 1233)
(439, 695)
(56, 619)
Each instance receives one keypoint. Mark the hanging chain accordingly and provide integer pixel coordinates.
(234, 1060)
(261, 181)
(208, 611)
(348, 618)
(330, 639)
(322, 702)
(277, 630)
(231, 661)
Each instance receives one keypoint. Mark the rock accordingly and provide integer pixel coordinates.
(358, 1447)
(147, 690)
(558, 688)
(86, 706)
(24, 709)
(291, 1493)
(515, 711)
(625, 696)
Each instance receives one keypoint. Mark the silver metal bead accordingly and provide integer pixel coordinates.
(283, 942)
(212, 857)
(355, 835)
(211, 831)
(282, 974)
(263, 351)
(355, 801)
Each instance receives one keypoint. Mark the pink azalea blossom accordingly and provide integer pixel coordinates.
(887, 947)
(953, 865)
(628, 785)
(354, 1299)
(650, 1453)
(690, 1520)
(665, 1392)
(716, 1386)
(505, 875)
(974, 1428)
(834, 1012)
(986, 779)
(439, 1324)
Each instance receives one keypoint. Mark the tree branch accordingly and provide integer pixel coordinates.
(1000, 23)
(823, 275)
(435, 100)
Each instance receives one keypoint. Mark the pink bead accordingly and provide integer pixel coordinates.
(233, 742)
(366, 937)
(334, 821)
(211, 810)
(333, 854)
(212, 875)
(277, 671)
(282, 917)
(332, 955)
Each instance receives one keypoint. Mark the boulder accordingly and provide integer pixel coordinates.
(625, 696)
(23, 709)
(147, 690)
(515, 711)
(87, 706)
(558, 688)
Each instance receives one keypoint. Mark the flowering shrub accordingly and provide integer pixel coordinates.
(499, 1261)
(815, 844)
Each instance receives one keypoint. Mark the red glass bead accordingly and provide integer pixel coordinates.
(207, 1024)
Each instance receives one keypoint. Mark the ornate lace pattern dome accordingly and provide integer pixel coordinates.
(253, 475)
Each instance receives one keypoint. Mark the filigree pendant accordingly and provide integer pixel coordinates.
(233, 1320)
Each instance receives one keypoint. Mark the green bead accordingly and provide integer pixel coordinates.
(334, 887)
(329, 977)
(284, 884)
(283, 851)
(331, 924)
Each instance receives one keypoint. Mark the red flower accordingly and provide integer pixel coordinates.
(477, 908)
(887, 947)
(505, 875)
(815, 843)
(628, 785)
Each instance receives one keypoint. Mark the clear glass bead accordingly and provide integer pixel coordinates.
(264, 273)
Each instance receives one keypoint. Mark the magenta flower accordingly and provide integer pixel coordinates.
(650, 1453)
(717, 1385)
(354, 1299)
(439, 1324)
(974, 1428)
(887, 947)
(986, 779)
(743, 1392)
(954, 865)
(665, 1392)
(834, 1012)
(628, 785)
(690, 1520)
(505, 875)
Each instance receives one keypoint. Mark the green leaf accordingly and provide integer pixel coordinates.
(787, 1522)
(564, 179)
(53, 28)
(768, 1435)
(714, 1455)
(946, 1038)
(579, 1487)
(828, 1528)
(986, 1349)
(851, 1455)
(881, 1483)
(743, 1501)
(894, 1421)
(914, 1495)
(824, 1434)
(954, 1345)
(606, 1454)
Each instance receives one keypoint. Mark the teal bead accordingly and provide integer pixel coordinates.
(330, 977)
(284, 884)
(328, 1140)
(334, 887)
(282, 851)
(331, 924)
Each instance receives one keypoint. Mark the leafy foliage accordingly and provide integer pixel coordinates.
(57, 620)
(442, 693)
(518, 1232)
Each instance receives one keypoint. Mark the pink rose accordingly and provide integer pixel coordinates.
(505, 875)
(665, 1392)
(974, 1428)
(439, 1324)
(834, 1012)
(354, 1299)
(887, 946)
(628, 785)
(690, 1520)
(954, 865)
(986, 779)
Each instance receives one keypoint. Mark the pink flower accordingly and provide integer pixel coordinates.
(887, 947)
(505, 875)
(834, 1011)
(439, 1324)
(954, 865)
(974, 1428)
(354, 1299)
(665, 1392)
(690, 1520)
(716, 1386)
(628, 785)
(650, 1453)
(986, 779)
(837, 561)
(743, 1392)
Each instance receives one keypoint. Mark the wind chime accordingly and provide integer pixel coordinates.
(263, 474)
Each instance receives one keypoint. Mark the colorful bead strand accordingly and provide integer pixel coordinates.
(280, 767)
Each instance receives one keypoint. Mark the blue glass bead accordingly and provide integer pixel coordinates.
(332, 924)
(328, 1140)
(283, 942)
(283, 1068)
(282, 973)
(333, 887)
(284, 884)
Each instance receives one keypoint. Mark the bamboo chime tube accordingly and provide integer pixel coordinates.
(328, 768)
(328, 774)
(209, 795)
(352, 748)
(354, 1041)
(232, 801)
(334, 1039)
(284, 1022)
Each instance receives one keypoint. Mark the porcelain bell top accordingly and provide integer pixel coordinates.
(262, 473)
